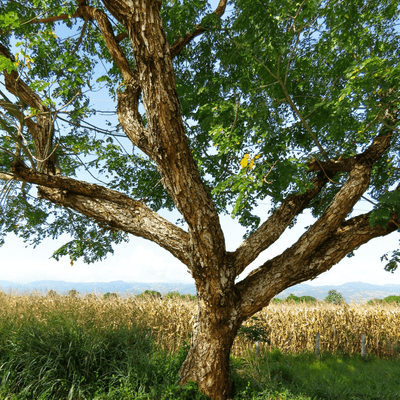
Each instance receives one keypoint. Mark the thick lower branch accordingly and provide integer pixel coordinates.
(132, 217)
(69, 184)
(348, 237)
(100, 203)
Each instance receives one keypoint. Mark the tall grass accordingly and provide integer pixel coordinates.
(71, 347)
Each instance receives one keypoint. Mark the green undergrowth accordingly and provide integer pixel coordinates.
(59, 359)
(274, 375)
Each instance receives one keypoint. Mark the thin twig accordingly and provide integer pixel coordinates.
(265, 177)
(144, 199)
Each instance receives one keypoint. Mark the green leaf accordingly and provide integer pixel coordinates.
(9, 20)
(7, 64)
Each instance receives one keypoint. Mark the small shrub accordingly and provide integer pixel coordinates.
(375, 301)
(301, 299)
(177, 295)
(110, 296)
(308, 299)
(152, 293)
(174, 295)
(255, 333)
(293, 298)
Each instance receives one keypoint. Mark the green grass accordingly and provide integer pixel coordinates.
(274, 375)
(72, 354)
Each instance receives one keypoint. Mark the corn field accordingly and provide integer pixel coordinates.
(294, 327)
(291, 327)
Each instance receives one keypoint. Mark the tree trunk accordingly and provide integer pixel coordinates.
(208, 360)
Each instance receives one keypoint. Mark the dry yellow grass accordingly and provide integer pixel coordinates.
(292, 327)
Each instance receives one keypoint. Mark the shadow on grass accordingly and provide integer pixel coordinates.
(274, 375)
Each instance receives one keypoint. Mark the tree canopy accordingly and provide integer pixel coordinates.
(269, 93)
(218, 108)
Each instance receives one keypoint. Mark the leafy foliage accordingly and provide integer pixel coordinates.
(152, 293)
(388, 299)
(172, 295)
(262, 90)
(301, 299)
(256, 332)
(334, 297)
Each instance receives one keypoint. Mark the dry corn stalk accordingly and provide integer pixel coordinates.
(292, 327)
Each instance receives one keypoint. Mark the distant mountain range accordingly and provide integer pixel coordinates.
(353, 291)
(119, 287)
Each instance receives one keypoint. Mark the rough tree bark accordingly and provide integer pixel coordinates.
(223, 305)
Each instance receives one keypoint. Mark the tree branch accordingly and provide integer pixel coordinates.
(88, 14)
(290, 269)
(18, 87)
(6, 177)
(373, 152)
(293, 262)
(42, 130)
(130, 118)
(112, 44)
(133, 217)
(55, 18)
(109, 206)
(272, 229)
(180, 44)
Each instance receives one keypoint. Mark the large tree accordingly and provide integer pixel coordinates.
(297, 102)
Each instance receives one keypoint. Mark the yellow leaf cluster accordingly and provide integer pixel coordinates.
(248, 162)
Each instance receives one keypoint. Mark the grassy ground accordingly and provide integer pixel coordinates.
(68, 350)
(274, 375)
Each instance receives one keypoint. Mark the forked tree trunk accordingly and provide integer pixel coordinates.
(208, 360)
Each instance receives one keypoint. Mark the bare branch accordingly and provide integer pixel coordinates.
(130, 118)
(121, 36)
(344, 164)
(373, 152)
(17, 87)
(55, 18)
(6, 177)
